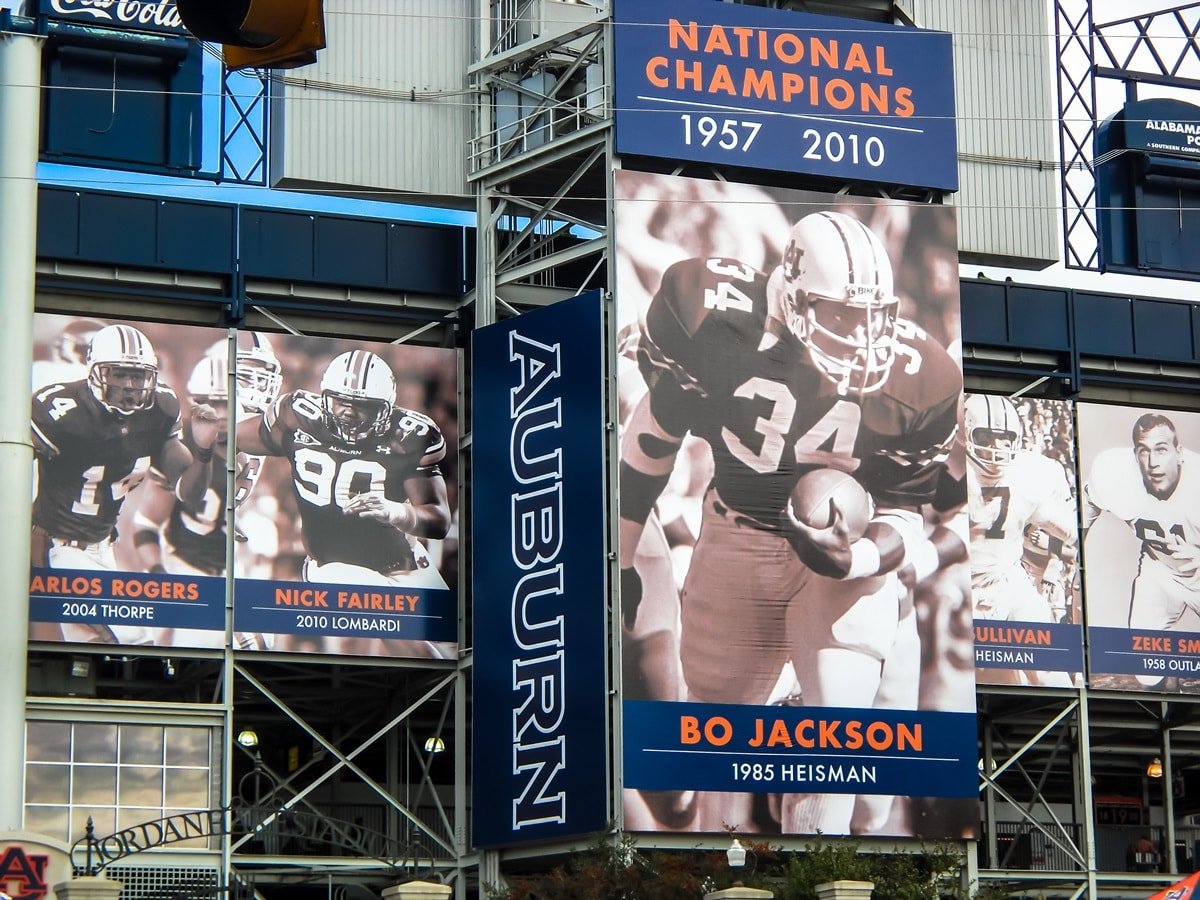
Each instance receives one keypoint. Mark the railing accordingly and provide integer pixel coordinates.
(1021, 846)
(1119, 848)
(538, 128)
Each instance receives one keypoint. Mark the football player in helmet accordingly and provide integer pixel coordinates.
(838, 300)
(1012, 490)
(95, 440)
(169, 536)
(807, 368)
(1153, 487)
(257, 370)
(366, 477)
(68, 359)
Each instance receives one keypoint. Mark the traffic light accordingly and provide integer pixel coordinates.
(258, 34)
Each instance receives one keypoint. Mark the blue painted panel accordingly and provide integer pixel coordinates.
(427, 258)
(196, 236)
(1162, 329)
(118, 229)
(984, 313)
(277, 244)
(351, 251)
(58, 222)
(1039, 318)
(1103, 325)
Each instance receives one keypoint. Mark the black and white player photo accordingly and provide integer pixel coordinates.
(357, 476)
(1023, 509)
(108, 423)
(792, 507)
(1140, 510)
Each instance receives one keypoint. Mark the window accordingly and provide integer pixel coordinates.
(119, 775)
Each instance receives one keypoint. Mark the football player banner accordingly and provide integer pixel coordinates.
(795, 598)
(539, 575)
(129, 480)
(346, 542)
(1024, 519)
(1140, 510)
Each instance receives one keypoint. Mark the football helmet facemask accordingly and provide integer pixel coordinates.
(358, 392)
(838, 300)
(257, 370)
(993, 431)
(122, 369)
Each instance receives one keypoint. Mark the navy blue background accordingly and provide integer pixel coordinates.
(924, 153)
(576, 324)
(1111, 653)
(208, 611)
(1065, 653)
(655, 759)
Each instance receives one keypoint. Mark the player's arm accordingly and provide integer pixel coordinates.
(426, 512)
(895, 539)
(152, 513)
(191, 472)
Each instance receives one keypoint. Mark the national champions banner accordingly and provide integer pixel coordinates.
(539, 529)
(739, 85)
(789, 359)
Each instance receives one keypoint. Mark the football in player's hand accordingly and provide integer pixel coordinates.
(820, 494)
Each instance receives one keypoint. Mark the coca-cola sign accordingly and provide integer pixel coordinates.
(133, 15)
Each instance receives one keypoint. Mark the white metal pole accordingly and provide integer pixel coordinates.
(20, 103)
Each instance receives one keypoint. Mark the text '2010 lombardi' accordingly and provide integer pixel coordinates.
(535, 457)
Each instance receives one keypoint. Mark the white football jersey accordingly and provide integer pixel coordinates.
(1115, 485)
(1001, 506)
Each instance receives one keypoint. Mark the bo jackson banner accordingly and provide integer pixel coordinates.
(129, 425)
(346, 497)
(539, 575)
(1139, 472)
(795, 597)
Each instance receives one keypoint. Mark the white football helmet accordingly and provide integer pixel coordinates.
(209, 381)
(257, 370)
(358, 392)
(838, 300)
(74, 340)
(122, 369)
(993, 431)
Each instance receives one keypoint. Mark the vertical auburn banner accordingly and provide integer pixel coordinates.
(797, 654)
(538, 522)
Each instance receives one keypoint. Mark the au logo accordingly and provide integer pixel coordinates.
(23, 875)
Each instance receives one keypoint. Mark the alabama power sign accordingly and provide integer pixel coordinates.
(774, 89)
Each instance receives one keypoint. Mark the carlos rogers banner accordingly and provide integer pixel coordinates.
(111, 421)
(539, 575)
(789, 92)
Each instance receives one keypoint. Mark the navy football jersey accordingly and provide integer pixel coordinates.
(720, 367)
(327, 473)
(89, 459)
(198, 537)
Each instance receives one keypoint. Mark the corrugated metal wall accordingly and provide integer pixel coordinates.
(385, 107)
(1004, 75)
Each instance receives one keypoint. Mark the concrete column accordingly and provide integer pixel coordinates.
(739, 892)
(88, 887)
(845, 890)
(20, 106)
(417, 890)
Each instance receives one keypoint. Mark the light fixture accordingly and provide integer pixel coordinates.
(736, 854)
(168, 668)
(1155, 769)
(81, 667)
(248, 738)
(434, 744)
